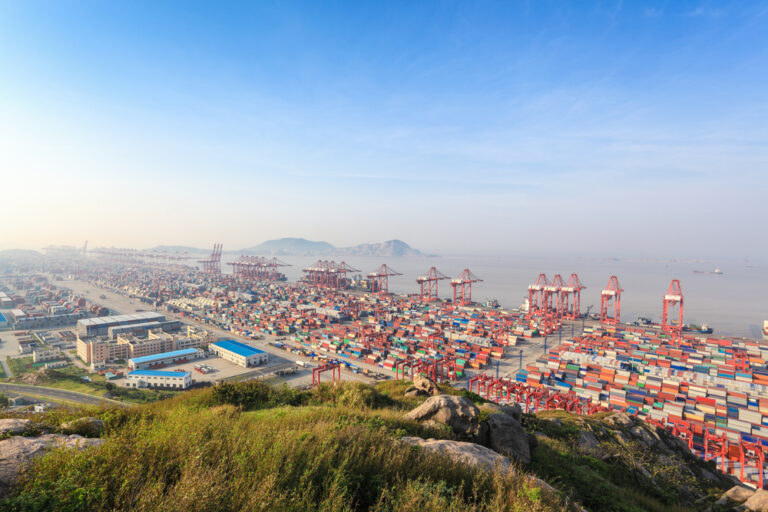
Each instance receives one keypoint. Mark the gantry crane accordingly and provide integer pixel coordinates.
(674, 297)
(572, 289)
(552, 300)
(536, 295)
(380, 279)
(612, 293)
(429, 292)
(462, 287)
(212, 265)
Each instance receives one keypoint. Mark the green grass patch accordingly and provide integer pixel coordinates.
(20, 365)
(338, 450)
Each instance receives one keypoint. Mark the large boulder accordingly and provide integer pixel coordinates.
(619, 419)
(737, 494)
(758, 502)
(15, 426)
(17, 452)
(460, 452)
(425, 385)
(88, 427)
(457, 412)
(506, 436)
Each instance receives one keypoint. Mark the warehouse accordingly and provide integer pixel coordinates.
(239, 353)
(165, 358)
(158, 379)
(99, 326)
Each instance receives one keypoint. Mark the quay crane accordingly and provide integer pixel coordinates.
(428, 293)
(462, 287)
(611, 294)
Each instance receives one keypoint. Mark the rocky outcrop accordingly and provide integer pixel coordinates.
(588, 443)
(15, 426)
(425, 385)
(737, 494)
(457, 412)
(88, 427)
(758, 502)
(506, 436)
(17, 452)
(619, 419)
(460, 452)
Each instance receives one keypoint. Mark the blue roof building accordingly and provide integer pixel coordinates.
(239, 353)
(143, 362)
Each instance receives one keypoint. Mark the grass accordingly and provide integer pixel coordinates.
(20, 365)
(70, 378)
(251, 447)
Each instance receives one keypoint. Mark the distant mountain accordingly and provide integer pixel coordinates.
(291, 247)
(303, 247)
(390, 248)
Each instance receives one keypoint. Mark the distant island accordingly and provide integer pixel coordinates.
(304, 247)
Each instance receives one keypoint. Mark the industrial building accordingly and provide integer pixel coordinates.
(130, 347)
(99, 326)
(18, 319)
(239, 353)
(165, 358)
(158, 379)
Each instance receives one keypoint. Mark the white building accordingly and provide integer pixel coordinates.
(239, 353)
(158, 379)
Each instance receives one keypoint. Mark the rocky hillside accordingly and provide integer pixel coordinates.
(389, 447)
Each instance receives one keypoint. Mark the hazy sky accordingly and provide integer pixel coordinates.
(594, 128)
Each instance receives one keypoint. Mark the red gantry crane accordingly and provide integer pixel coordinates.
(612, 293)
(429, 292)
(328, 274)
(462, 287)
(380, 279)
(571, 298)
(212, 265)
(552, 301)
(536, 295)
(674, 297)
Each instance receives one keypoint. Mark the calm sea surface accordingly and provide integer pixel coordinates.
(734, 303)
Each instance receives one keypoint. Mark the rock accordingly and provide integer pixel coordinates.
(506, 436)
(455, 411)
(707, 475)
(622, 437)
(412, 391)
(588, 443)
(461, 452)
(736, 494)
(758, 502)
(15, 426)
(557, 422)
(620, 419)
(17, 452)
(426, 385)
(516, 412)
(88, 426)
(643, 436)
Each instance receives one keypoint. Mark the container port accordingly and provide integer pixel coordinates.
(709, 391)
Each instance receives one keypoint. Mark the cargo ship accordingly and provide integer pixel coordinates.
(703, 329)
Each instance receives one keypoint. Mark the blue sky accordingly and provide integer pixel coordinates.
(605, 128)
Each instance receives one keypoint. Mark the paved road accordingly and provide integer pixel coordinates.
(58, 394)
